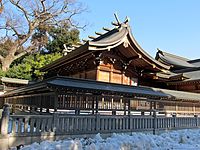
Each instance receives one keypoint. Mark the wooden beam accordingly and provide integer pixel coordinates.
(115, 23)
(92, 37)
(98, 33)
(106, 29)
(135, 57)
(85, 40)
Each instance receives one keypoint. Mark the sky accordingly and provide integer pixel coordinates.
(170, 25)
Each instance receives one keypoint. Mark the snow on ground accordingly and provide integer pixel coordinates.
(188, 139)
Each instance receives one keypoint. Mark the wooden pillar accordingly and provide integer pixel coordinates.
(41, 103)
(97, 73)
(112, 103)
(77, 111)
(47, 110)
(93, 99)
(78, 102)
(5, 119)
(31, 108)
(151, 106)
(194, 110)
(124, 106)
(35, 108)
(102, 103)
(121, 103)
(86, 102)
(155, 105)
(97, 104)
(154, 122)
(56, 102)
(13, 108)
(129, 107)
(176, 108)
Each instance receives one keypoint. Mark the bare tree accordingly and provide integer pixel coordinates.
(20, 19)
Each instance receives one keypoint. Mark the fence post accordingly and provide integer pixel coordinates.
(97, 122)
(174, 118)
(5, 119)
(197, 122)
(154, 122)
(55, 122)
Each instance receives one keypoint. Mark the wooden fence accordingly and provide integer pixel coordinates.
(59, 124)
(26, 129)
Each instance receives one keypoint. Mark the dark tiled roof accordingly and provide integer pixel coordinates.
(176, 62)
(195, 62)
(96, 87)
(111, 39)
(189, 69)
(180, 95)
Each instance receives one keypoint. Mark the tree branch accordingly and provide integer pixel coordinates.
(52, 6)
(28, 50)
(21, 9)
(1, 58)
(20, 55)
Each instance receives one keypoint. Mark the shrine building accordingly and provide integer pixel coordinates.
(111, 72)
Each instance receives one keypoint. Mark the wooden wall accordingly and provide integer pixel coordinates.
(107, 73)
(190, 87)
(90, 74)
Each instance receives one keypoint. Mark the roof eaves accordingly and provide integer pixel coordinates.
(146, 55)
(80, 50)
(14, 80)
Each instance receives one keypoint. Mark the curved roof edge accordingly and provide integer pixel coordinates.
(145, 53)
(176, 62)
(110, 39)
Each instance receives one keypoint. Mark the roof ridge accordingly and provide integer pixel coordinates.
(173, 55)
(118, 24)
(194, 60)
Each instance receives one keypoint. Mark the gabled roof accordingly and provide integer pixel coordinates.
(176, 62)
(182, 69)
(119, 38)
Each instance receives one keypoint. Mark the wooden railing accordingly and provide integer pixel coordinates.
(26, 129)
(92, 124)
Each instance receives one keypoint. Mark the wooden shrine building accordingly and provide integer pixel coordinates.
(184, 73)
(111, 72)
(113, 57)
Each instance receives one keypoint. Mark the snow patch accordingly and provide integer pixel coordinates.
(181, 139)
